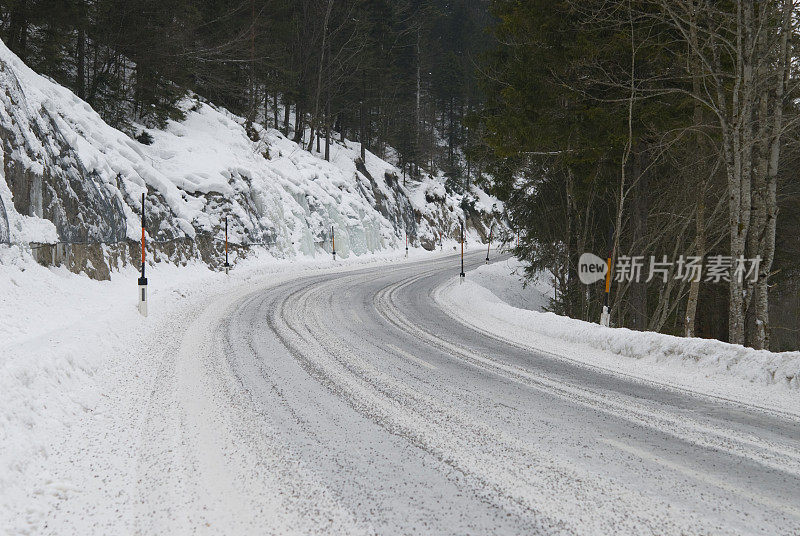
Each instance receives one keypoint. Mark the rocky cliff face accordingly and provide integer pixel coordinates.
(44, 173)
(74, 184)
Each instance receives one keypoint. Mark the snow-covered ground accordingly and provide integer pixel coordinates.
(350, 403)
(495, 301)
(68, 343)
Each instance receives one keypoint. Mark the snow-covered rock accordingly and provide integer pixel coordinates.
(70, 177)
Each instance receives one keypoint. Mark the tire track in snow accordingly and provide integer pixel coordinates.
(510, 471)
(749, 446)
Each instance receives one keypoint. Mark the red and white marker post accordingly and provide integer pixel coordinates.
(227, 265)
(333, 243)
(143, 278)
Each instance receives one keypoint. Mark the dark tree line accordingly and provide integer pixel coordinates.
(672, 123)
(390, 73)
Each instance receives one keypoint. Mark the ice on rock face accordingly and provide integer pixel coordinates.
(5, 235)
(44, 170)
(5, 228)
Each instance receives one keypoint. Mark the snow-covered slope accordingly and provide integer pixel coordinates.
(70, 177)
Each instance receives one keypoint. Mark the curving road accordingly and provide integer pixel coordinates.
(352, 403)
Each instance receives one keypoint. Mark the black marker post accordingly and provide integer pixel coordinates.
(227, 266)
(490, 243)
(462, 252)
(143, 279)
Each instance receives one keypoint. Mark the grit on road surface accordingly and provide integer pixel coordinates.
(351, 403)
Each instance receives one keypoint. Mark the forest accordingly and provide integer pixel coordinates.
(658, 129)
(652, 129)
(399, 75)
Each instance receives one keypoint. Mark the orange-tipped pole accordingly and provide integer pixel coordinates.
(605, 316)
(143, 250)
(489, 247)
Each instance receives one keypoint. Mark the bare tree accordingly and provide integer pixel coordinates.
(744, 59)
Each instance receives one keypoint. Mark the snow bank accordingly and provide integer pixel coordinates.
(505, 279)
(706, 365)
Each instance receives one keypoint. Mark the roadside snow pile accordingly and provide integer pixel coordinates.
(684, 362)
(57, 329)
(505, 279)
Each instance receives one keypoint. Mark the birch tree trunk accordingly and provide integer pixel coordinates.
(625, 157)
(767, 244)
(700, 248)
(738, 143)
(700, 225)
(639, 210)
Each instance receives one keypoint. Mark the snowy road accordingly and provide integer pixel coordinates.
(351, 403)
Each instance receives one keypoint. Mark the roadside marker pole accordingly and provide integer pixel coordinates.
(406, 244)
(462, 252)
(490, 244)
(333, 243)
(441, 242)
(227, 266)
(143, 279)
(605, 316)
